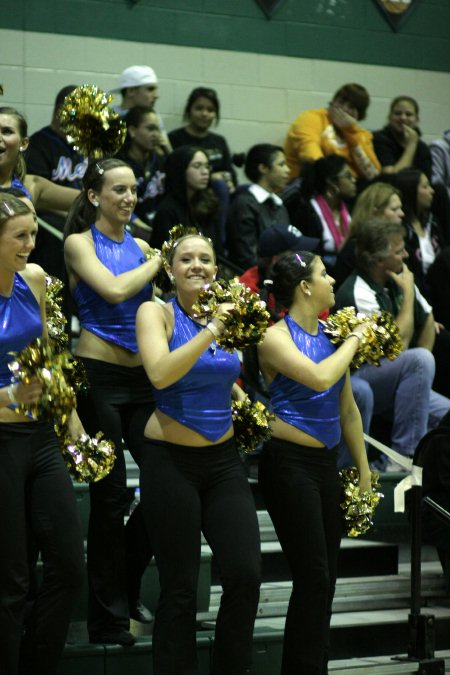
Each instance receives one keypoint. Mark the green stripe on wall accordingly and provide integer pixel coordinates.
(338, 30)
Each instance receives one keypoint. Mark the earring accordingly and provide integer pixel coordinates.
(308, 292)
(95, 204)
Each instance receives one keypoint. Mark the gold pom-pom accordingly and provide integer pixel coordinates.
(357, 508)
(74, 369)
(176, 233)
(245, 323)
(251, 423)
(56, 320)
(58, 397)
(90, 124)
(88, 459)
(381, 338)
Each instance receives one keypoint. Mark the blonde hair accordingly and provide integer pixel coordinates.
(20, 169)
(371, 203)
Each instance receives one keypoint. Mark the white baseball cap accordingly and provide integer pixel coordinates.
(136, 76)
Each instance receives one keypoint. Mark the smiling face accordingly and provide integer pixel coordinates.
(403, 113)
(17, 240)
(117, 197)
(193, 265)
(11, 143)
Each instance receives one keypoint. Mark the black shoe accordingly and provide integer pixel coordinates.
(117, 636)
(140, 612)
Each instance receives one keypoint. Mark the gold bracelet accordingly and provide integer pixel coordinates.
(11, 395)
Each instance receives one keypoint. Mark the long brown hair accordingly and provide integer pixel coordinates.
(20, 168)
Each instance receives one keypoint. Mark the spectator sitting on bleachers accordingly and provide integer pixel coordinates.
(334, 130)
(256, 207)
(398, 145)
(138, 85)
(202, 110)
(440, 158)
(322, 210)
(402, 388)
(188, 198)
(52, 156)
(379, 200)
(139, 151)
(44, 194)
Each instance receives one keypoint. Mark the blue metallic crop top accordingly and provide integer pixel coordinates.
(314, 412)
(201, 400)
(16, 183)
(20, 323)
(114, 323)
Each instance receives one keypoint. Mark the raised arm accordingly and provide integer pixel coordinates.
(153, 328)
(82, 261)
(278, 354)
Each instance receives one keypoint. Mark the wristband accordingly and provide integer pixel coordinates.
(11, 395)
(356, 335)
(214, 329)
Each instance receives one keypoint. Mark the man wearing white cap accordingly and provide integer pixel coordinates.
(139, 86)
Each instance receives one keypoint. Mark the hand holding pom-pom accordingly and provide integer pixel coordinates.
(380, 339)
(88, 459)
(251, 423)
(245, 319)
(358, 509)
(38, 360)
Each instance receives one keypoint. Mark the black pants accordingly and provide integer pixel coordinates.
(119, 404)
(301, 489)
(186, 491)
(37, 506)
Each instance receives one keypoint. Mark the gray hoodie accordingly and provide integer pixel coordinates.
(440, 155)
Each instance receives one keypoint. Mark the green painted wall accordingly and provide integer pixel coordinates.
(339, 30)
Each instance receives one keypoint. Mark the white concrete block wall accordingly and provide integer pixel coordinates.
(260, 94)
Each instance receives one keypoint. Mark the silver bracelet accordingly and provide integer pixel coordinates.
(214, 329)
(11, 395)
(356, 335)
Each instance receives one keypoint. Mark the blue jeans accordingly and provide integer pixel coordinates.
(402, 390)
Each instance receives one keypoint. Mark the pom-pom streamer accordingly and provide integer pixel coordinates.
(90, 124)
(251, 423)
(357, 508)
(381, 338)
(245, 323)
(58, 397)
(88, 459)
